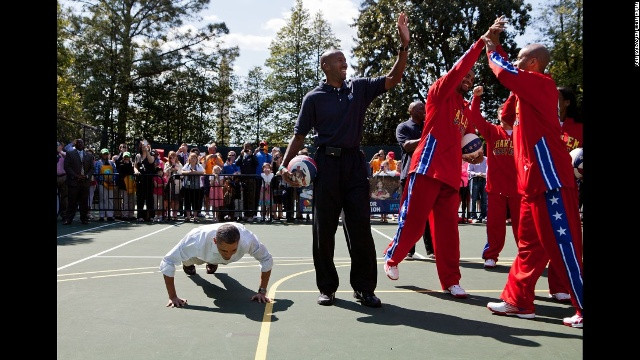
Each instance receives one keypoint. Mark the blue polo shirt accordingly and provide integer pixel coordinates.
(337, 115)
(408, 130)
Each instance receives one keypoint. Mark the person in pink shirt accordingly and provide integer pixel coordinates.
(159, 182)
(464, 194)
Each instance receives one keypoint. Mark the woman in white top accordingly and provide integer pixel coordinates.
(192, 187)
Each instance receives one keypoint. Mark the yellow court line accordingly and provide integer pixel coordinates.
(263, 340)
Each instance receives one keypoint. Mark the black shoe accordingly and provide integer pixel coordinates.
(101, 219)
(326, 300)
(367, 298)
(110, 219)
(84, 221)
(66, 222)
(211, 268)
(189, 270)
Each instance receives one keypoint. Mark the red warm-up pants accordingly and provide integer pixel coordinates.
(429, 197)
(549, 230)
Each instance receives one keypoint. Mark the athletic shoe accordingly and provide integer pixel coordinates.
(489, 264)
(456, 291)
(562, 297)
(409, 257)
(326, 299)
(503, 308)
(431, 256)
(367, 298)
(391, 271)
(575, 321)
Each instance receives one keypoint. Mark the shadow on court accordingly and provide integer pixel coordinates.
(233, 298)
(394, 315)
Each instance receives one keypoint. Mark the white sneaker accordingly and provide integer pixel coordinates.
(409, 257)
(391, 271)
(503, 308)
(456, 291)
(489, 264)
(562, 297)
(431, 256)
(575, 321)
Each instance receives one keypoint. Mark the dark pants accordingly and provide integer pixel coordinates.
(78, 196)
(464, 201)
(426, 237)
(249, 196)
(341, 184)
(478, 192)
(144, 192)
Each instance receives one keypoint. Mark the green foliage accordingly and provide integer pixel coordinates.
(139, 77)
(69, 101)
(561, 23)
(251, 118)
(293, 62)
(441, 31)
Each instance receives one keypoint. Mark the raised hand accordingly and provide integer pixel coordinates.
(478, 90)
(492, 37)
(403, 29)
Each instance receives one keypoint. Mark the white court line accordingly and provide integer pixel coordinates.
(384, 235)
(113, 248)
(85, 230)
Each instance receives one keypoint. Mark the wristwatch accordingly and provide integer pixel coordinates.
(262, 291)
(404, 48)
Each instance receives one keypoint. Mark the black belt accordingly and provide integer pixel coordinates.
(336, 151)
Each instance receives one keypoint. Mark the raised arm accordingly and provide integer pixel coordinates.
(394, 77)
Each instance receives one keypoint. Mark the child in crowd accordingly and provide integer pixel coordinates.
(265, 190)
(159, 183)
(216, 195)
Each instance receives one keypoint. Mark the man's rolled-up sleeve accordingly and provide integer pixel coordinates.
(260, 253)
(169, 261)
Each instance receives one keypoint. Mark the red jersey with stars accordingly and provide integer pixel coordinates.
(542, 160)
(501, 167)
(446, 121)
(571, 133)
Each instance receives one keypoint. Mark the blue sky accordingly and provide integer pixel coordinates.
(253, 24)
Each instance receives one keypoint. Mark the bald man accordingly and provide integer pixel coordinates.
(336, 110)
(549, 226)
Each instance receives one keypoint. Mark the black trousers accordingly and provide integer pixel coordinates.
(341, 184)
(78, 197)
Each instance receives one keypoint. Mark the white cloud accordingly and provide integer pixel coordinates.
(247, 42)
(274, 24)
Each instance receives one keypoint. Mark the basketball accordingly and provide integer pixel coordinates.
(576, 160)
(303, 170)
(471, 143)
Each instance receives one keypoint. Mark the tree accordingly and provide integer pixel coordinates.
(293, 62)
(441, 31)
(127, 45)
(561, 23)
(69, 101)
(252, 109)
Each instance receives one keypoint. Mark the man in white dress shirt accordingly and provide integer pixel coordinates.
(215, 244)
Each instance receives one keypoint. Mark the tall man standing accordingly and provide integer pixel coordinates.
(550, 227)
(336, 110)
(78, 165)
